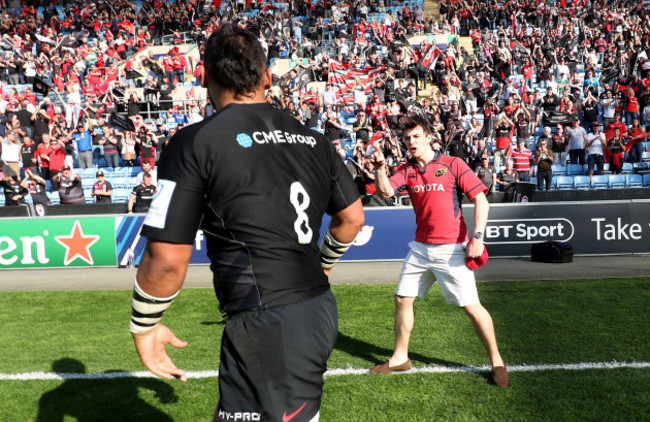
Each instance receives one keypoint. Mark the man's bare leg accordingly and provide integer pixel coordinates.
(485, 329)
(404, 322)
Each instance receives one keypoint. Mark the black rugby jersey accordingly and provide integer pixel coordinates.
(258, 183)
(143, 197)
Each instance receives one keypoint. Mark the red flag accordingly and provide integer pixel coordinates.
(343, 77)
(431, 53)
(377, 136)
(86, 11)
(632, 141)
(126, 26)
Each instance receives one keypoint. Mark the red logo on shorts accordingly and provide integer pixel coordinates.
(286, 418)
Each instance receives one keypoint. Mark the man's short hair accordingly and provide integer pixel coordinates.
(411, 122)
(235, 60)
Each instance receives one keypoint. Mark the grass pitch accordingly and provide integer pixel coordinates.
(568, 322)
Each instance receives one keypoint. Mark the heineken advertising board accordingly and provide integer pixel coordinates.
(57, 242)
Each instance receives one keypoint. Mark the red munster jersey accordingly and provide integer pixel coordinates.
(436, 196)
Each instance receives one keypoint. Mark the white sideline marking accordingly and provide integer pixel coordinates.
(32, 376)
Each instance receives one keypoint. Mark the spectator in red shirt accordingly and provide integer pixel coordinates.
(434, 183)
(522, 159)
(43, 156)
(57, 159)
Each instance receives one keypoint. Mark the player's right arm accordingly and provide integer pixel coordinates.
(160, 276)
(384, 189)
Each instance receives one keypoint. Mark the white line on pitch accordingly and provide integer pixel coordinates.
(31, 376)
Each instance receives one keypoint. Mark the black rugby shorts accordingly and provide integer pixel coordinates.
(273, 361)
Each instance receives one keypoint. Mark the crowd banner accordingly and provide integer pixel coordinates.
(607, 228)
(57, 242)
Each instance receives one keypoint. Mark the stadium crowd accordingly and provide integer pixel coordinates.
(543, 85)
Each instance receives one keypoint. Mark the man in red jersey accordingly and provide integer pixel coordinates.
(435, 184)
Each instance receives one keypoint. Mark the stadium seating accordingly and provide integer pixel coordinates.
(616, 181)
(633, 180)
(564, 182)
(574, 169)
(606, 169)
(121, 195)
(87, 173)
(581, 182)
(627, 168)
(121, 182)
(559, 169)
(87, 182)
(599, 182)
(646, 156)
(646, 180)
(54, 197)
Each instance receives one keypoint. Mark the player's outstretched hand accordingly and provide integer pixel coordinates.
(151, 349)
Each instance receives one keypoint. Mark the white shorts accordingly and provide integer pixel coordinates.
(426, 263)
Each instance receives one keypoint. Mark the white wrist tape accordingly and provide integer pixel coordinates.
(147, 310)
(331, 249)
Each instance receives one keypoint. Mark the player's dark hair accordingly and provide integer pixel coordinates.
(234, 60)
(411, 122)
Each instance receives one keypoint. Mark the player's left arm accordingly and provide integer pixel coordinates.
(160, 276)
(341, 232)
(481, 210)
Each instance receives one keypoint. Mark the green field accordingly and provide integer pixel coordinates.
(537, 324)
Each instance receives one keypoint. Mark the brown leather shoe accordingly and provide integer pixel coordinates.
(383, 368)
(500, 376)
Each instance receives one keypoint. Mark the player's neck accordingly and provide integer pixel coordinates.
(424, 159)
(224, 98)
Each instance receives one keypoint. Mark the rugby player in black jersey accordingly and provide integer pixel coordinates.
(257, 183)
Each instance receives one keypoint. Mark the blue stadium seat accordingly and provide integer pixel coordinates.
(559, 170)
(574, 169)
(646, 180)
(54, 197)
(87, 182)
(600, 182)
(564, 182)
(89, 172)
(606, 169)
(616, 181)
(122, 171)
(120, 182)
(646, 156)
(641, 166)
(633, 180)
(627, 168)
(581, 182)
(121, 195)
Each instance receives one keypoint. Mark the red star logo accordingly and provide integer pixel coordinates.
(77, 245)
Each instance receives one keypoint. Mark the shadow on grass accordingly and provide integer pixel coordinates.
(369, 352)
(109, 399)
